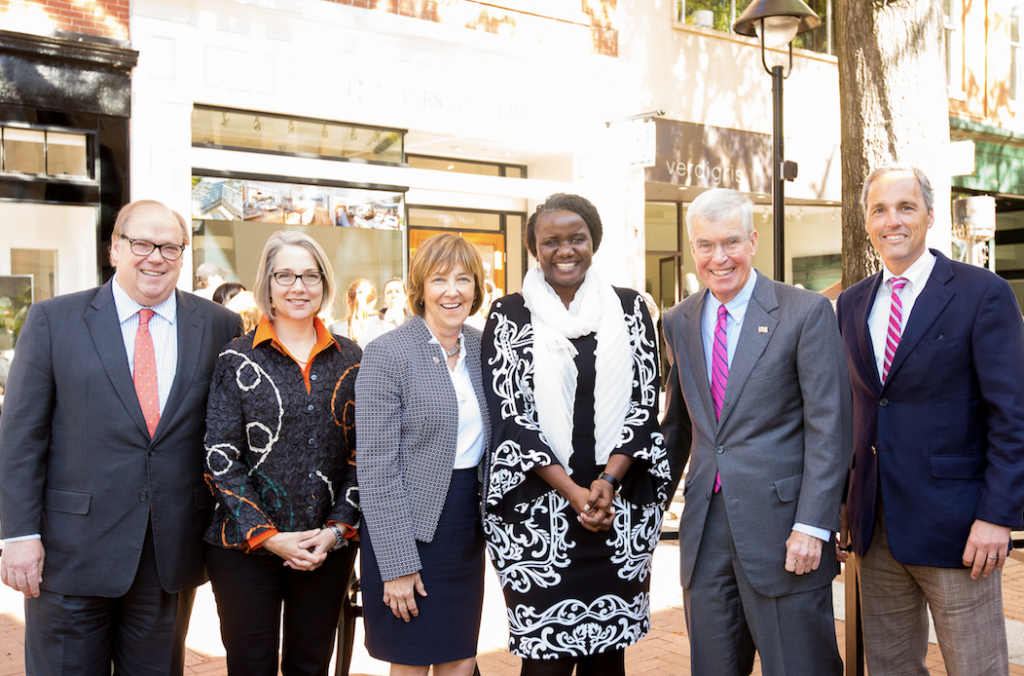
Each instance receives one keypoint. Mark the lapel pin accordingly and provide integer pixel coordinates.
(762, 329)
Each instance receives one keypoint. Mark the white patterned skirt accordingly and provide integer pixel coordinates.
(571, 592)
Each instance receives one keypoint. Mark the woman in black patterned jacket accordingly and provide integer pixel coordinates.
(280, 460)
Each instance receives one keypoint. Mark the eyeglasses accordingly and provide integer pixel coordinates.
(286, 278)
(730, 246)
(169, 252)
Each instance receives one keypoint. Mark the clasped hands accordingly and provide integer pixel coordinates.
(594, 508)
(304, 550)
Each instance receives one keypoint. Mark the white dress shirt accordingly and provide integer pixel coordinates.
(878, 318)
(469, 447)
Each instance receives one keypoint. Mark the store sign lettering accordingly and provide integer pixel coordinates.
(704, 171)
(711, 157)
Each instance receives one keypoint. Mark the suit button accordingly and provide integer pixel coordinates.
(310, 408)
(152, 452)
(719, 449)
(883, 402)
(309, 509)
(874, 451)
(311, 441)
(143, 497)
(313, 377)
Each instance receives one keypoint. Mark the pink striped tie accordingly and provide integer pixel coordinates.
(892, 336)
(719, 372)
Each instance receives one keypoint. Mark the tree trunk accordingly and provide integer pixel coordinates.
(895, 109)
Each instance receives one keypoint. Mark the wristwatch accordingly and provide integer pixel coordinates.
(339, 537)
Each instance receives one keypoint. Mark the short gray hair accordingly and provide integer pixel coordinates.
(277, 241)
(720, 204)
(927, 193)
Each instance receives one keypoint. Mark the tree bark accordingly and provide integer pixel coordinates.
(895, 109)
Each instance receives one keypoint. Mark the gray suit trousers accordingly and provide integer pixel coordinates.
(728, 621)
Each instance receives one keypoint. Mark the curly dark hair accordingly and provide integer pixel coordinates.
(561, 201)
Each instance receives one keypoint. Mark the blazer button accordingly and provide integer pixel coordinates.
(874, 451)
(883, 402)
(143, 497)
(719, 449)
(310, 408)
(152, 452)
(311, 441)
(313, 377)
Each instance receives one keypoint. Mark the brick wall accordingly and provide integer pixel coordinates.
(496, 17)
(104, 18)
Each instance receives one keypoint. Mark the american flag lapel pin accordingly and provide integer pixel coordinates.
(762, 329)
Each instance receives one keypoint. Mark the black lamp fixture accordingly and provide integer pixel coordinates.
(776, 23)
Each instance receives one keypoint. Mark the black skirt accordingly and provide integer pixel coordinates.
(448, 624)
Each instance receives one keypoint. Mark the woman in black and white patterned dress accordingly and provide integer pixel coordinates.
(571, 370)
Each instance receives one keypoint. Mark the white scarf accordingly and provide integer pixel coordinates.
(554, 371)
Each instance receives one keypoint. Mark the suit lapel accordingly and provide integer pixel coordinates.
(692, 335)
(932, 301)
(752, 342)
(861, 307)
(105, 330)
(190, 335)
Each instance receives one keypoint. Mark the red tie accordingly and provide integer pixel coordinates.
(145, 372)
(895, 328)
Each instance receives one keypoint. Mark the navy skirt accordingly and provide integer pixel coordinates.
(448, 624)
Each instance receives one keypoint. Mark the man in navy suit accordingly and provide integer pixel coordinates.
(101, 459)
(936, 357)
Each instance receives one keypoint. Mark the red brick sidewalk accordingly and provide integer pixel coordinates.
(665, 650)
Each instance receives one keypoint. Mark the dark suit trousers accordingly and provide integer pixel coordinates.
(250, 590)
(728, 620)
(141, 633)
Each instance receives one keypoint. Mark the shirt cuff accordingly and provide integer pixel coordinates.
(22, 538)
(820, 533)
(350, 533)
(257, 541)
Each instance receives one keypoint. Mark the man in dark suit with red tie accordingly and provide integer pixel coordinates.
(936, 357)
(102, 499)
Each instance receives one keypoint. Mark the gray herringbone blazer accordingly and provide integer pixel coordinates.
(407, 424)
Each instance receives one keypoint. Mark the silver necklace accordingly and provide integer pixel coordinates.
(452, 352)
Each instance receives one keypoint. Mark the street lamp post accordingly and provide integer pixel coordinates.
(776, 23)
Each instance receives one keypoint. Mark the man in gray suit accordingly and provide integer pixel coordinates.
(760, 369)
(101, 459)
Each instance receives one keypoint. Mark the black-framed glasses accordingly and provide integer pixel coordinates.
(287, 278)
(140, 247)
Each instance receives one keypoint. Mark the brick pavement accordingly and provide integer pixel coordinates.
(664, 651)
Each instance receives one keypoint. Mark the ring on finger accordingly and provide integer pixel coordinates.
(993, 556)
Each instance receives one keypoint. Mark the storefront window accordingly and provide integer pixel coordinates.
(466, 166)
(262, 132)
(721, 15)
(43, 152)
(66, 155)
(45, 250)
(361, 230)
(24, 151)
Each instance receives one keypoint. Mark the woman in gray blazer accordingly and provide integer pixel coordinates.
(423, 438)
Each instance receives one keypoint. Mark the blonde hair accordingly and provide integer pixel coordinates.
(244, 303)
(277, 241)
(439, 254)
